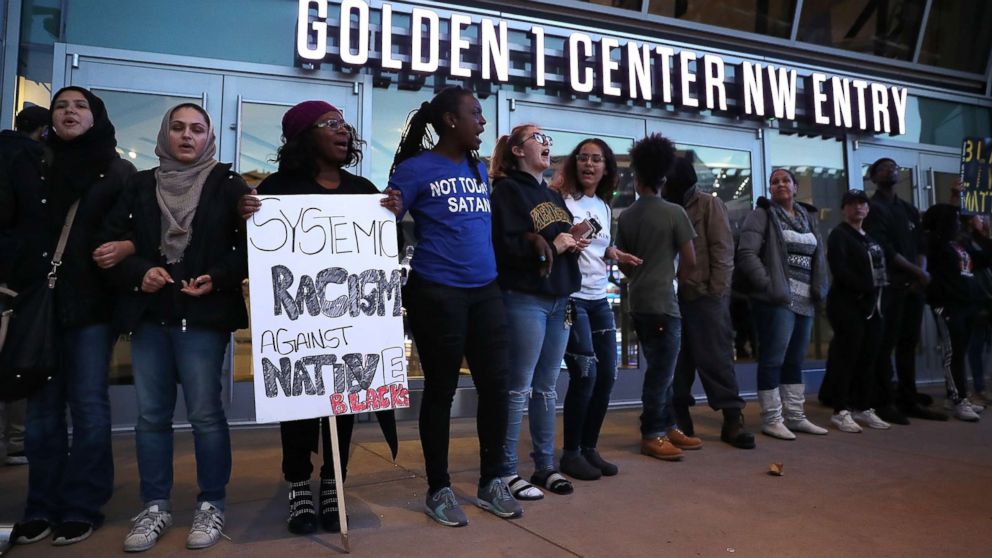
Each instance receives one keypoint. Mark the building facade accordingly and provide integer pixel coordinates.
(821, 87)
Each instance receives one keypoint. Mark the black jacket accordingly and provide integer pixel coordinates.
(850, 266)
(12, 146)
(31, 232)
(521, 205)
(896, 226)
(217, 248)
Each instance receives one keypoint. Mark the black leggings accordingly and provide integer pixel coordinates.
(449, 323)
(300, 439)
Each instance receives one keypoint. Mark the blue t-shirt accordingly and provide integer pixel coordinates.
(452, 220)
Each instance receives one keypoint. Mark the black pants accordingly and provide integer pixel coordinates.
(449, 323)
(707, 346)
(851, 358)
(954, 325)
(300, 439)
(902, 309)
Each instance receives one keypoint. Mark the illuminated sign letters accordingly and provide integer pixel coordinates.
(478, 48)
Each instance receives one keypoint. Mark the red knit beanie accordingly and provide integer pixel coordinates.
(303, 116)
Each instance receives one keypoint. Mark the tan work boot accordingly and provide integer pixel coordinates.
(661, 448)
(683, 442)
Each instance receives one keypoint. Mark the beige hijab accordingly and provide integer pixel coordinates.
(178, 189)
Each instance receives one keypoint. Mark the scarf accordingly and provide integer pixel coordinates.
(178, 188)
(79, 162)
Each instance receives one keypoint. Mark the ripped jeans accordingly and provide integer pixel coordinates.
(591, 357)
(538, 335)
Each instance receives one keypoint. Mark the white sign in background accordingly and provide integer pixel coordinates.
(326, 307)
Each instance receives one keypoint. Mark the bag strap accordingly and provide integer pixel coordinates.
(60, 247)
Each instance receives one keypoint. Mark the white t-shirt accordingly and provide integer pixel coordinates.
(591, 263)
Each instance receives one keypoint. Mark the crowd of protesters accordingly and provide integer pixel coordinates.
(515, 290)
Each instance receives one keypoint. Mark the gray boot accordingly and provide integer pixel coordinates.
(794, 400)
(771, 415)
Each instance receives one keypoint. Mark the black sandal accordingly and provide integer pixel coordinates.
(518, 486)
(553, 481)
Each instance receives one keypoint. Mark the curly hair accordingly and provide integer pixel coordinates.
(651, 158)
(504, 161)
(569, 184)
(298, 156)
(417, 138)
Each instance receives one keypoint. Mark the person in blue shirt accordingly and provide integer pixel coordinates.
(453, 302)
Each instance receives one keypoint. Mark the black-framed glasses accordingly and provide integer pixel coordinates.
(333, 124)
(585, 157)
(542, 139)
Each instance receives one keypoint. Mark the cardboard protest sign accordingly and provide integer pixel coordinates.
(326, 308)
(976, 182)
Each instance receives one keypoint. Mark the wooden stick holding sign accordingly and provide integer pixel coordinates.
(326, 312)
(339, 485)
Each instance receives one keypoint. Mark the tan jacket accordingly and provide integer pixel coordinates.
(714, 247)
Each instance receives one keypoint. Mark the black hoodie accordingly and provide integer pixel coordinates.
(521, 205)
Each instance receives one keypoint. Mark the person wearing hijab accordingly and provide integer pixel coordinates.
(180, 299)
(68, 483)
(317, 145)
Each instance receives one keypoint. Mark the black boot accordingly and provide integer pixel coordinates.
(733, 431)
(302, 517)
(683, 419)
(329, 518)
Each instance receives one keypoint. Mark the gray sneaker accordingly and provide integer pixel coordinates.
(443, 508)
(495, 497)
(147, 527)
(208, 527)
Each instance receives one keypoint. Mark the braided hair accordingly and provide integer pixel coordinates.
(417, 138)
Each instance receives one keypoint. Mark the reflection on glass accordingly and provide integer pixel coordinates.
(137, 118)
(821, 181)
(883, 28)
(625, 4)
(767, 17)
(260, 134)
(957, 36)
(943, 123)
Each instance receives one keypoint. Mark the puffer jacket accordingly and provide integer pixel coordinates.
(714, 247)
(762, 258)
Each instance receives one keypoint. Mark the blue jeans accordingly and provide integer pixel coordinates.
(591, 357)
(660, 336)
(783, 337)
(538, 336)
(162, 356)
(72, 481)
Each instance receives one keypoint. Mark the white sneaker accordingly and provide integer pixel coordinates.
(208, 527)
(965, 411)
(871, 420)
(845, 423)
(147, 527)
(977, 408)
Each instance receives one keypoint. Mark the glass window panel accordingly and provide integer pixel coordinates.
(260, 136)
(943, 123)
(957, 35)
(883, 28)
(137, 118)
(767, 17)
(625, 4)
(904, 188)
(41, 21)
(822, 180)
(942, 184)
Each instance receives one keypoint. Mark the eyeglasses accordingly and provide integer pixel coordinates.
(333, 124)
(584, 157)
(542, 139)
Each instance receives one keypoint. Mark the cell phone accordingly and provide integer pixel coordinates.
(587, 228)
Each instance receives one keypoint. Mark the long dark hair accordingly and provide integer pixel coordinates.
(298, 156)
(417, 138)
(607, 185)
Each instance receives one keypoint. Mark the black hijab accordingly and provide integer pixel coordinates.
(78, 162)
